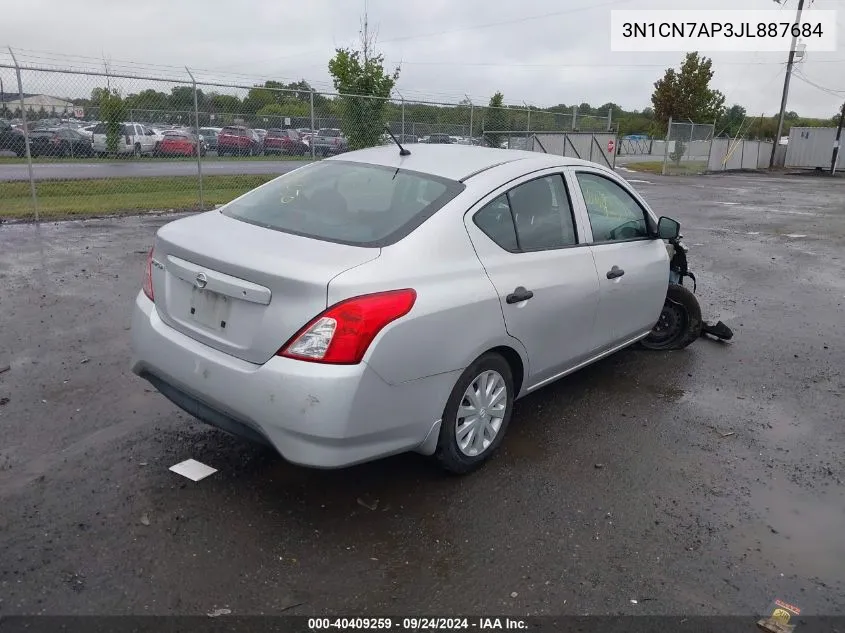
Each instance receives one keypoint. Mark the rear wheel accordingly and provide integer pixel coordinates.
(679, 323)
(477, 414)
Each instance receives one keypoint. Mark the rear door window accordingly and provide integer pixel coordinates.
(346, 202)
(542, 214)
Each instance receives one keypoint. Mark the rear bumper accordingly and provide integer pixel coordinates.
(324, 416)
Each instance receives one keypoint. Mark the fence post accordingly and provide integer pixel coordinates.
(574, 117)
(403, 119)
(666, 145)
(197, 133)
(691, 132)
(710, 151)
(26, 136)
(313, 131)
(609, 118)
(615, 150)
(471, 128)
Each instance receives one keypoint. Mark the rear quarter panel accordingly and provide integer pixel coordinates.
(457, 315)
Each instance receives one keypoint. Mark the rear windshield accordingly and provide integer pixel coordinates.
(234, 131)
(329, 132)
(100, 128)
(346, 202)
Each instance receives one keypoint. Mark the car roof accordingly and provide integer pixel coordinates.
(456, 162)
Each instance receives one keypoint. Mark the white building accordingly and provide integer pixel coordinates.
(34, 103)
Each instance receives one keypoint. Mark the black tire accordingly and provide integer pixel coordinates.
(448, 453)
(679, 323)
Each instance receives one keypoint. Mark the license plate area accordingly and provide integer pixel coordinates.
(209, 309)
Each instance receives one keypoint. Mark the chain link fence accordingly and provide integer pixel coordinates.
(76, 142)
(687, 147)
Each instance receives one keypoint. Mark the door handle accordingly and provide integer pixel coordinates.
(519, 294)
(615, 272)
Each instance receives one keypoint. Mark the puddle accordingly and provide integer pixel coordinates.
(799, 533)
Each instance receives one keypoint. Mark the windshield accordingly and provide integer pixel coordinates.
(351, 203)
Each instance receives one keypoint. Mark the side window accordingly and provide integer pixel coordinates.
(542, 214)
(614, 213)
(496, 221)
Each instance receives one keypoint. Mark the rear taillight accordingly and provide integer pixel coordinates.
(148, 277)
(342, 334)
(337, 141)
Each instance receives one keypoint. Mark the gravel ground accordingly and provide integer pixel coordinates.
(707, 481)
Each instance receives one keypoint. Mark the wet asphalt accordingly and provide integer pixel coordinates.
(706, 481)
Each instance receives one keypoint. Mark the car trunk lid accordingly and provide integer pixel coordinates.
(241, 288)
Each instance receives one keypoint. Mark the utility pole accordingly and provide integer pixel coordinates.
(367, 34)
(836, 144)
(789, 63)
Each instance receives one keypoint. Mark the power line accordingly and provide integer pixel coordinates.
(830, 91)
(471, 27)
(592, 65)
(487, 25)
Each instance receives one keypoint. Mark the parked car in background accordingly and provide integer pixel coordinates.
(329, 142)
(287, 142)
(305, 135)
(237, 140)
(180, 143)
(363, 307)
(262, 133)
(259, 141)
(440, 139)
(56, 142)
(12, 139)
(209, 135)
(135, 140)
(88, 130)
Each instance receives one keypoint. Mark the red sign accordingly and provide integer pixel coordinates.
(610, 145)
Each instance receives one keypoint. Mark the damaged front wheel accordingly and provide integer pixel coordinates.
(679, 323)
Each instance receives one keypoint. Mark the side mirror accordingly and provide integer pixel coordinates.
(668, 229)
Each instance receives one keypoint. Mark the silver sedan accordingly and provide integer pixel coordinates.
(377, 303)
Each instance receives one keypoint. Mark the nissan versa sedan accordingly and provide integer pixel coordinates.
(376, 303)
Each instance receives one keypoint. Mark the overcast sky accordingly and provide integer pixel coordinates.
(542, 52)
